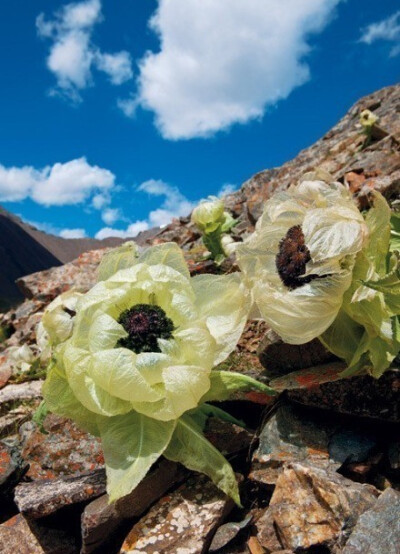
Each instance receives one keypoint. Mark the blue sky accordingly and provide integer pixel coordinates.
(116, 116)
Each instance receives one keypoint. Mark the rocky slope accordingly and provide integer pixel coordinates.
(319, 465)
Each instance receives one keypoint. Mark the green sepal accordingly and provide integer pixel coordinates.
(226, 384)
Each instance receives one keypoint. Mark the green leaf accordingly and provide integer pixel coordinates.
(228, 223)
(389, 285)
(214, 411)
(118, 258)
(131, 443)
(343, 336)
(189, 447)
(225, 384)
(395, 232)
(212, 241)
(378, 223)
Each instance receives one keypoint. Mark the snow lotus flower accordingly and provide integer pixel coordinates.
(211, 219)
(298, 263)
(209, 215)
(368, 119)
(137, 367)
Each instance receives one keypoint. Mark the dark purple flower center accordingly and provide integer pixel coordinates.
(292, 259)
(145, 324)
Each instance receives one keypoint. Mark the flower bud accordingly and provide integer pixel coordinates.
(209, 215)
(368, 119)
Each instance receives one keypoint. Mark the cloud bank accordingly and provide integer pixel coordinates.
(224, 62)
(62, 184)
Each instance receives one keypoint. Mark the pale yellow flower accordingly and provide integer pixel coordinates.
(298, 263)
(368, 119)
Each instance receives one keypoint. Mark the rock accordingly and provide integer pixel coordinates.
(359, 396)
(18, 535)
(79, 274)
(228, 437)
(308, 378)
(182, 523)
(101, 520)
(292, 434)
(63, 450)
(227, 532)
(378, 529)
(11, 466)
(18, 393)
(10, 423)
(41, 498)
(352, 445)
(312, 507)
(394, 455)
(5, 371)
(279, 358)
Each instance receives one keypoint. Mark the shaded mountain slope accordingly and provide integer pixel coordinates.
(20, 254)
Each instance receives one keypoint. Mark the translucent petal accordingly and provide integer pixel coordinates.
(333, 232)
(302, 314)
(77, 365)
(116, 372)
(168, 254)
(61, 400)
(118, 258)
(104, 332)
(223, 303)
(183, 386)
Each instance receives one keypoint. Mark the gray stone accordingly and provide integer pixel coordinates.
(279, 358)
(41, 498)
(361, 396)
(312, 507)
(352, 445)
(62, 450)
(11, 422)
(227, 532)
(18, 535)
(292, 434)
(11, 465)
(378, 529)
(100, 520)
(19, 393)
(182, 523)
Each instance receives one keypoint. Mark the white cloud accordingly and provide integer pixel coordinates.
(73, 233)
(72, 53)
(387, 29)
(174, 204)
(117, 66)
(111, 215)
(100, 200)
(227, 188)
(132, 230)
(58, 185)
(223, 62)
(128, 105)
